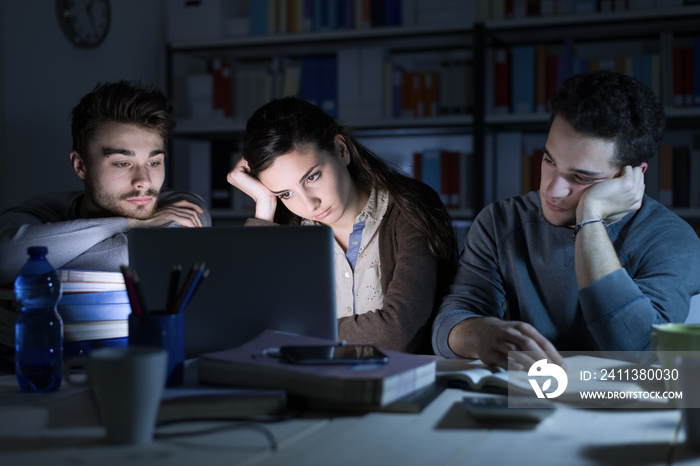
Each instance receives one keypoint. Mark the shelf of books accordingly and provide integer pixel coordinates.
(404, 69)
(527, 54)
(662, 55)
(474, 67)
(361, 86)
(94, 308)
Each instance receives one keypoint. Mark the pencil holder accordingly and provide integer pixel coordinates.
(166, 331)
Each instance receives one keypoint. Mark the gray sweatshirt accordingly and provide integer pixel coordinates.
(51, 220)
(517, 266)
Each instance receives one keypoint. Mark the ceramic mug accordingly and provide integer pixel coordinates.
(128, 384)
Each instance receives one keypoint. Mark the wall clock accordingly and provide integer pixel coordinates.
(84, 22)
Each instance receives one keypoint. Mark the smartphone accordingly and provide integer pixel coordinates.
(333, 354)
(486, 408)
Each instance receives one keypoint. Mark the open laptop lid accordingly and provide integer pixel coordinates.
(277, 277)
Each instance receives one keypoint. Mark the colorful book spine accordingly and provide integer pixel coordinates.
(678, 76)
(502, 76)
(328, 99)
(688, 76)
(430, 168)
(665, 195)
(523, 79)
(696, 71)
(440, 169)
(258, 17)
(681, 176)
(310, 79)
(541, 78)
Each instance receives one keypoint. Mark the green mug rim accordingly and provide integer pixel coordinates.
(676, 328)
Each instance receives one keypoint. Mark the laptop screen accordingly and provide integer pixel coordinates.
(276, 277)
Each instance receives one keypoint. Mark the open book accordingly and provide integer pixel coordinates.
(251, 365)
(473, 375)
(584, 374)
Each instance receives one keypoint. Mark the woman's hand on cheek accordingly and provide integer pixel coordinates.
(265, 201)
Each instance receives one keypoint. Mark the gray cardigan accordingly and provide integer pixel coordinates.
(51, 220)
(517, 266)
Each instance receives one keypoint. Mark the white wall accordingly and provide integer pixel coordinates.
(43, 76)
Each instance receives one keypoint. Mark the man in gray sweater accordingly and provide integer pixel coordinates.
(119, 134)
(588, 262)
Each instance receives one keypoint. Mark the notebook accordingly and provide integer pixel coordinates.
(276, 277)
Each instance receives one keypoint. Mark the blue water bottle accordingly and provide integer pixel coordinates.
(39, 328)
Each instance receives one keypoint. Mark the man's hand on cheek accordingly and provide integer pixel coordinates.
(614, 198)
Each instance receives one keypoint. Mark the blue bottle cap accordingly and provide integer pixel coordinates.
(37, 250)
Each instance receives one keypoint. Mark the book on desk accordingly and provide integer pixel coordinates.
(473, 375)
(94, 308)
(342, 385)
(206, 403)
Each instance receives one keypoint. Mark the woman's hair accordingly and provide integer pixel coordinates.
(615, 107)
(290, 123)
(121, 102)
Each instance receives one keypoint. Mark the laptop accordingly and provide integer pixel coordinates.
(276, 277)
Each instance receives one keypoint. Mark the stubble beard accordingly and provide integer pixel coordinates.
(117, 206)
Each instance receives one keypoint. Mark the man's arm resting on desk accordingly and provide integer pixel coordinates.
(65, 240)
(182, 212)
(97, 243)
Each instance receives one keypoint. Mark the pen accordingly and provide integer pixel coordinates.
(185, 287)
(199, 276)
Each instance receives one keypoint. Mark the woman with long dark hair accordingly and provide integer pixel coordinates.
(395, 251)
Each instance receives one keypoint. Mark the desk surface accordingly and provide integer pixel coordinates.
(62, 428)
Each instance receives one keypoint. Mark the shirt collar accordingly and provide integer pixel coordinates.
(375, 208)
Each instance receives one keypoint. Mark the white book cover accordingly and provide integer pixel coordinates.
(371, 81)
(508, 164)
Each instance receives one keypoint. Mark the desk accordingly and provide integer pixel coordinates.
(62, 428)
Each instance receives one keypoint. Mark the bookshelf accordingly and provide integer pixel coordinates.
(638, 42)
(483, 134)
(369, 65)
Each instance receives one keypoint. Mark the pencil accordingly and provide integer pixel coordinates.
(139, 293)
(131, 290)
(172, 288)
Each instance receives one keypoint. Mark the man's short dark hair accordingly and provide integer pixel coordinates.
(615, 107)
(121, 102)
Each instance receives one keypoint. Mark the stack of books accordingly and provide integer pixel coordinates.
(338, 386)
(94, 307)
